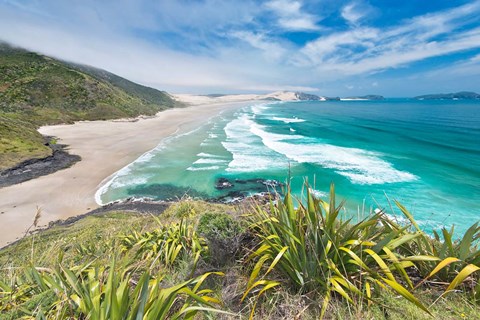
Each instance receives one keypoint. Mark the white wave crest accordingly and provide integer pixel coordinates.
(203, 168)
(208, 155)
(317, 193)
(209, 161)
(247, 151)
(359, 166)
(288, 120)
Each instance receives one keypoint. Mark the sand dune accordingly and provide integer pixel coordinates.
(202, 99)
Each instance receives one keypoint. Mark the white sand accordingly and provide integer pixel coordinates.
(196, 99)
(105, 147)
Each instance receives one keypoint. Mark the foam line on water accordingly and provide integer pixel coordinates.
(108, 182)
(208, 155)
(209, 161)
(203, 168)
(358, 165)
(247, 151)
(288, 120)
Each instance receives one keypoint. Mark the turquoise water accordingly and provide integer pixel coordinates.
(426, 154)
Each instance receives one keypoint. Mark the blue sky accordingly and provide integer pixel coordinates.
(327, 47)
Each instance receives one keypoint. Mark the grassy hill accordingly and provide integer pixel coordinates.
(38, 90)
(225, 262)
(19, 141)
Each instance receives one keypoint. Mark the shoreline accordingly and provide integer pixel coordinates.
(105, 148)
(35, 168)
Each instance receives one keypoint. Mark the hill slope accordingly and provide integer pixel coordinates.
(37, 90)
(464, 95)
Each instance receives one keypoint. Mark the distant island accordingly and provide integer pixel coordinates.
(464, 95)
(367, 97)
(312, 97)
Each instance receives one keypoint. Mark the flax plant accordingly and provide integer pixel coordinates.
(316, 252)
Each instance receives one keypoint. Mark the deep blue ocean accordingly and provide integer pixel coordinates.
(425, 154)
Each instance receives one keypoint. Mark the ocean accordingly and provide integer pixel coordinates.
(425, 154)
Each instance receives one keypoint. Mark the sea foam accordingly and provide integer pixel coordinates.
(247, 151)
(359, 166)
(209, 168)
(288, 120)
(209, 161)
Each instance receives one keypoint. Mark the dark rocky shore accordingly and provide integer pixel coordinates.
(157, 207)
(34, 168)
(149, 206)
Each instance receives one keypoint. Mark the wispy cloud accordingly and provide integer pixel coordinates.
(365, 50)
(291, 16)
(270, 48)
(356, 11)
(249, 45)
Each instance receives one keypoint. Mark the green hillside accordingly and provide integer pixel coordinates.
(199, 260)
(19, 141)
(37, 90)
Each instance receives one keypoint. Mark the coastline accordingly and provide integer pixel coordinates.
(105, 147)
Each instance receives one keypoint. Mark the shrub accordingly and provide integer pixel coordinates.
(224, 235)
(218, 226)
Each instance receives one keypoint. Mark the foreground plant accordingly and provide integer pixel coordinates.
(319, 253)
(96, 292)
(456, 260)
(167, 244)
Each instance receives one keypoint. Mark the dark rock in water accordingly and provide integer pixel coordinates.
(268, 182)
(223, 183)
(271, 183)
(245, 188)
(166, 192)
(258, 198)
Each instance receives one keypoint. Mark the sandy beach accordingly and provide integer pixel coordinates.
(105, 147)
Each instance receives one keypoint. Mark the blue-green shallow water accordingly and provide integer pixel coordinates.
(426, 154)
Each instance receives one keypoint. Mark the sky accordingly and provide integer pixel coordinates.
(328, 47)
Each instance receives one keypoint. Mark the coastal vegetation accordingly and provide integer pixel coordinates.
(463, 95)
(288, 258)
(37, 90)
(19, 141)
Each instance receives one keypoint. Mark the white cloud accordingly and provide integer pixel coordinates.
(271, 49)
(468, 67)
(205, 65)
(291, 16)
(366, 50)
(334, 46)
(356, 11)
(229, 46)
(350, 14)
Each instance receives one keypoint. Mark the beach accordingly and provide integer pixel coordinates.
(105, 147)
